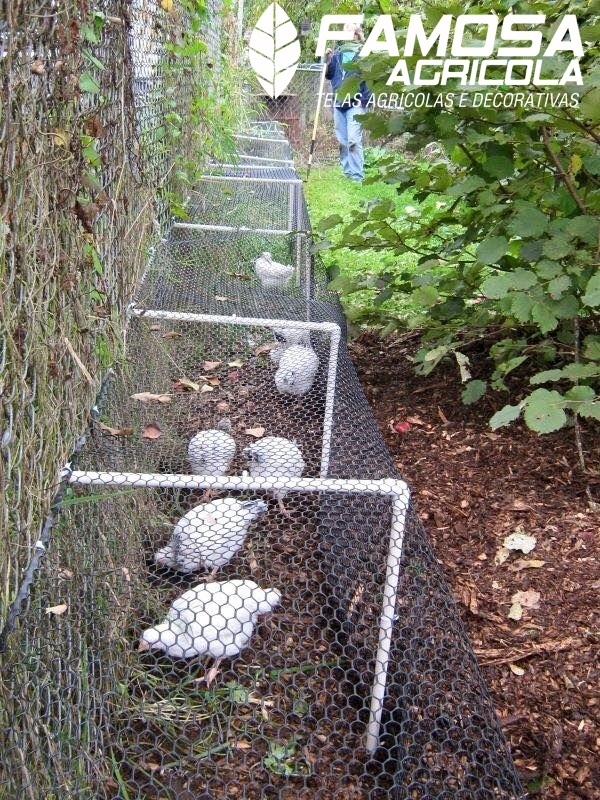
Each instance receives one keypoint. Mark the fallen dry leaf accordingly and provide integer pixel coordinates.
(528, 599)
(442, 416)
(115, 431)
(57, 610)
(181, 384)
(149, 397)
(516, 669)
(220, 298)
(234, 376)
(236, 363)
(172, 335)
(208, 365)
(519, 540)
(401, 427)
(415, 421)
(152, 431)
(265, 348)
(515, 612)
(222, 405)
(256, 432)
(207, 388)
(526, 564)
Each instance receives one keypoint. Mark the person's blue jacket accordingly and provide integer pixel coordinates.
(335, 73)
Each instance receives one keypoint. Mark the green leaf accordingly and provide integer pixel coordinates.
(426, 296)
(546, 376)
(585, 228)
(589, 106)
(591, 410)
(580, 394)
(577, 371)
(557, 247)
(468, 185)
(505, 416)
(528, 222)
(521, 306)
(544, 411)
(329, 222)
(592, 291)
(558, 286)
(499, 167)
(491, 250)
(497, 286)
(523, 278)
(544, 317)
(473, 391)
(87, 83)
(548, 269)
(591, 347)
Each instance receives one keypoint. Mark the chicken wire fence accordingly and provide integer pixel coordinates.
(239, 599)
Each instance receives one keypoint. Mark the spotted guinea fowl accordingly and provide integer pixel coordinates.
(275, 457)
(286, 338)
(271, 273)
(211, 452)
(298, 366)
(213, 619)
(209, 535)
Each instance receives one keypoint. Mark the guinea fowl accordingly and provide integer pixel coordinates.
(271, 273)
(211, 452)
(275, 457)
(213, 619)
(297, 369)
(286, 338)
(209, 535)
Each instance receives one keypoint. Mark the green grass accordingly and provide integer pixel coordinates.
(329, 192)
(379, 287)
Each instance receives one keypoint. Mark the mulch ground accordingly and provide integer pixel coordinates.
(473, 487)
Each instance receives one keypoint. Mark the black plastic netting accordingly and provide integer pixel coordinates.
(261, 615)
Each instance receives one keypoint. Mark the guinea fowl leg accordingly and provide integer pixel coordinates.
(211, 674)
(282, 508)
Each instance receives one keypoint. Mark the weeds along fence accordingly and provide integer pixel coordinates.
(87, 168)
(260, 614)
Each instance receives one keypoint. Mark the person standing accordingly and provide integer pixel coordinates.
(347, 127)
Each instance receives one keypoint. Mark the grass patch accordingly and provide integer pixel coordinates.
(329, 192)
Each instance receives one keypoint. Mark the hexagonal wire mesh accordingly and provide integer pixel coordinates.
(256, 550)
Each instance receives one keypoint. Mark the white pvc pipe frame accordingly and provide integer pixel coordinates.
(396, 490)
(331, 328)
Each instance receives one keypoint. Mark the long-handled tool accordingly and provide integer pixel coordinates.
(316, 125)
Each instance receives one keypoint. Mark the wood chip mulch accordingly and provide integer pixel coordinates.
(473, 487)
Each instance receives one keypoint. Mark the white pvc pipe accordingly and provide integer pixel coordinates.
(264, 158)
(232, 319)
(252, 178)
(334, 345)
(386, 621)
(258, 139)
(198, 226)
(387, 487)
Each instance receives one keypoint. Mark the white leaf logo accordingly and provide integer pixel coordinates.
(274, 50)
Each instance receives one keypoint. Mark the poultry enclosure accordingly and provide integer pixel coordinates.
(360, 681)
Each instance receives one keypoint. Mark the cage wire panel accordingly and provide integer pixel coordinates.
(254, 612)
(212, 269)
